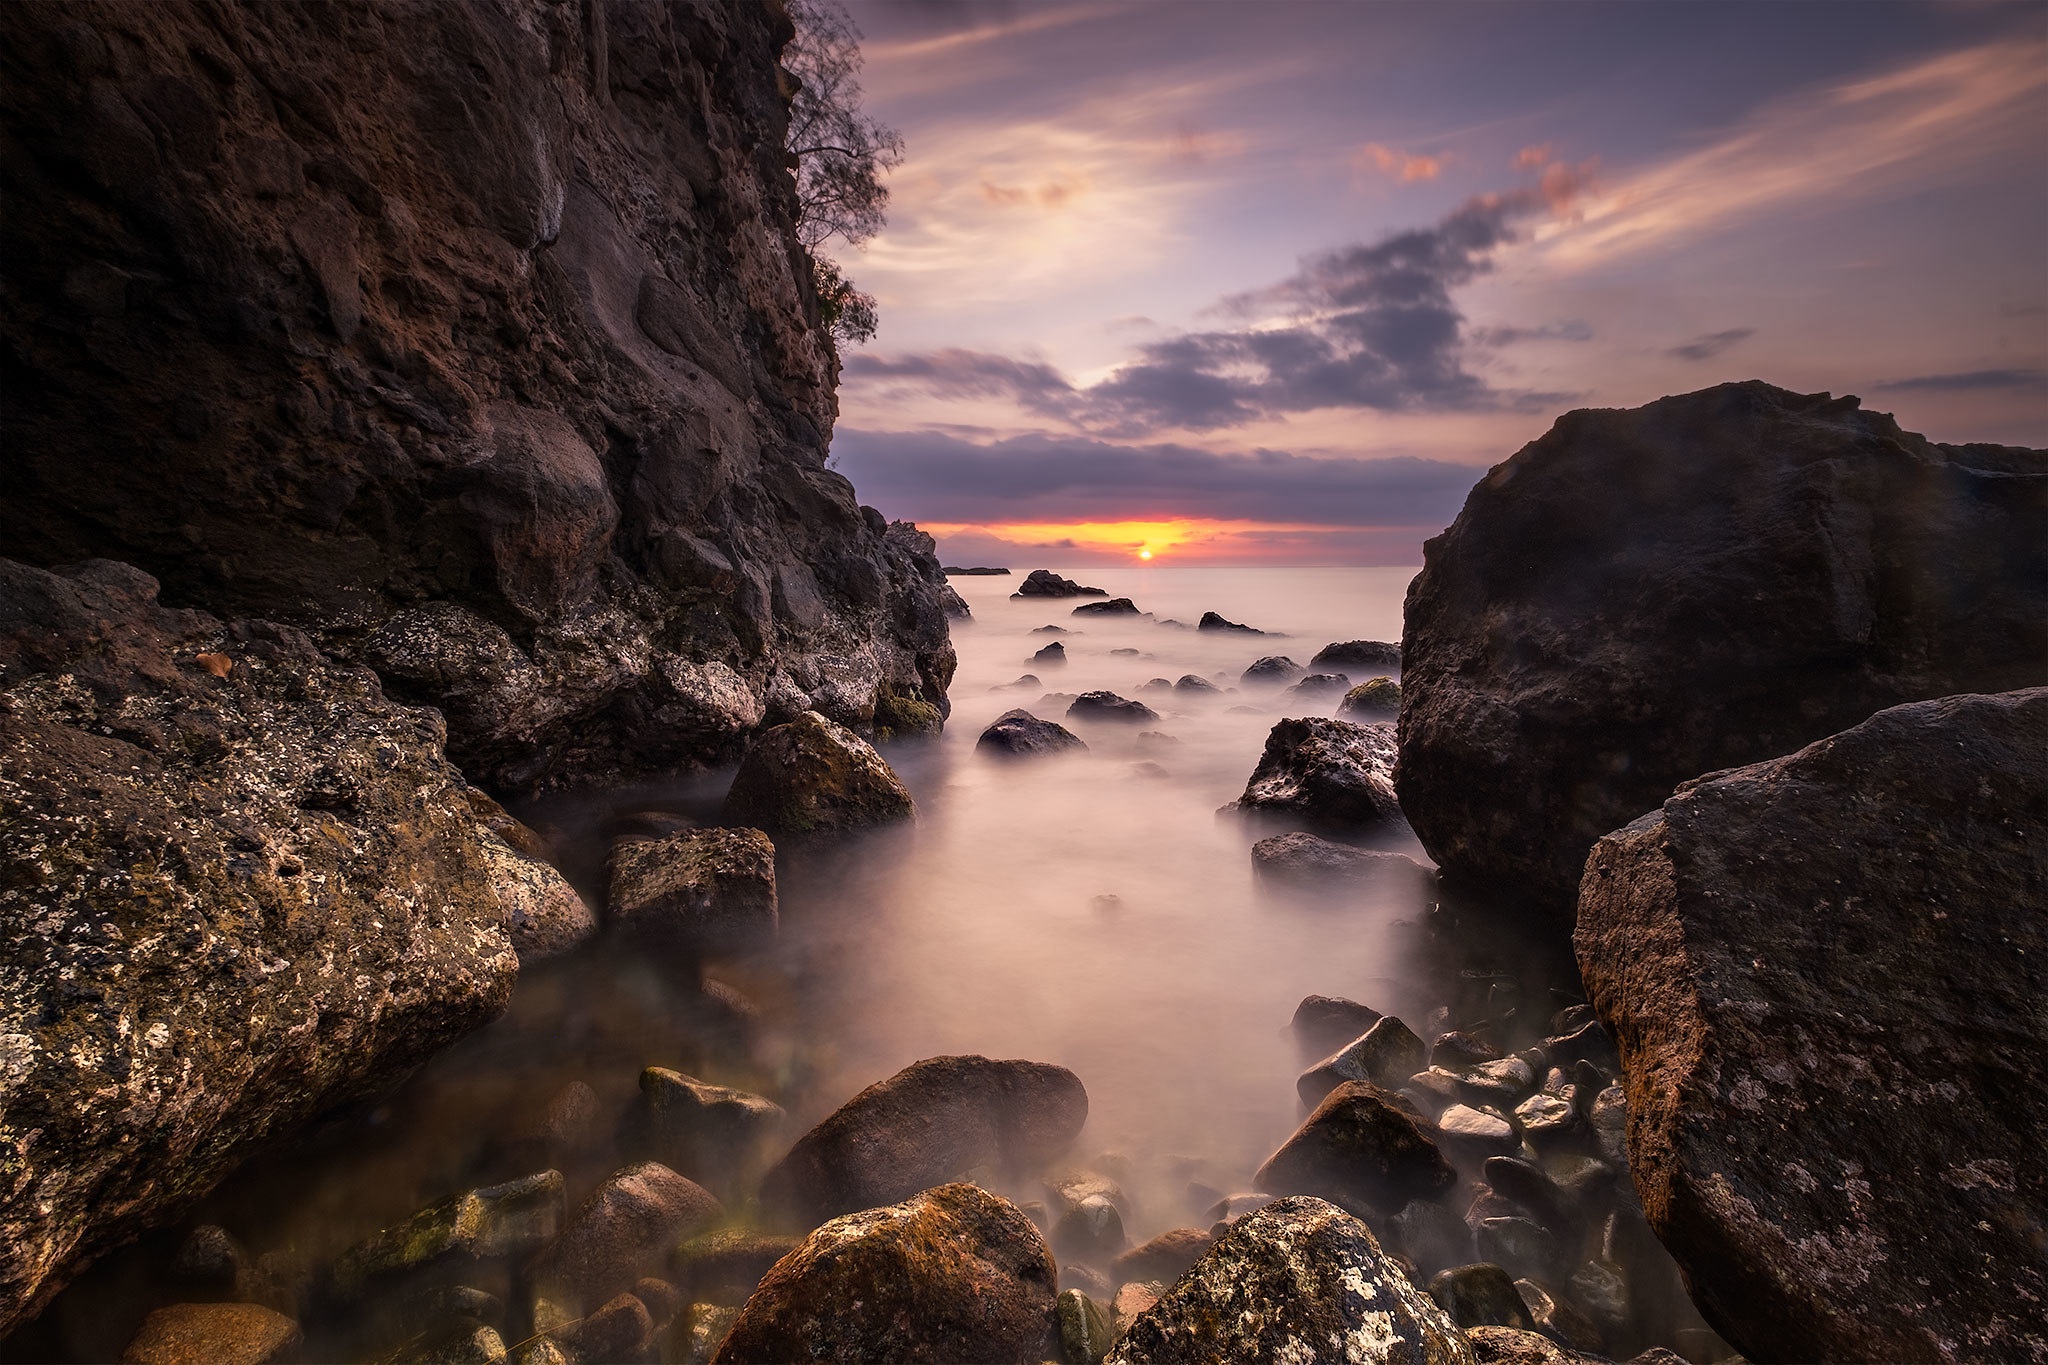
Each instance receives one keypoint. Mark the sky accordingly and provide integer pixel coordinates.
(1274, 283)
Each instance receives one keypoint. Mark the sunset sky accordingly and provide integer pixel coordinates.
(1273, 282)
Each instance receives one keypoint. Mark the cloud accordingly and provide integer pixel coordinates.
(959, 373)
(1711, 344)
(1530, 158)
(1051, 479)
(1571, 329)
(1968, 381)
(1405, 167)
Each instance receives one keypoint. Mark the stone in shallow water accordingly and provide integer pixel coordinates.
(1373, 699)
(1385, 1055)
(1085, 1331)
(700, 891)
(1474, 1133)
(1194, 682)
(1164, 1257)
(625, 1228)
(1357, 655)
(1324, 1023)
(1019, 733)
(497, 1220)
(212, 1334)
(1303, 862)
(1333, 775)
(1480, 1295)
(710, 1133)
(1359, 1148)
(1272, 671)
(1109, 706)
(1431, 1235)
(811, 778)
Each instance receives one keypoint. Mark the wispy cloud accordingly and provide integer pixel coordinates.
(1406, 167)
(1968, 381)
(1711, 344)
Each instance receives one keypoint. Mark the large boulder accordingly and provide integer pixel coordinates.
(1298, 1281)
(1645, 595)
(1362, 1147)
(812, 778)
(479, 344)
(1826, 975)
(1019, 733)
(238, 886)
(933, 1121)
(1332, 775)
(954, 1274)
(698, 891)
(1046, 583)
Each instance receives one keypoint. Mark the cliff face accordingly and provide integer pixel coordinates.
(473, 337)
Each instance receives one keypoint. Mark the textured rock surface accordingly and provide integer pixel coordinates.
(811, 777)
(1111, 707)
(226, 903)
(212, 1334)
(703, 890)
(930, 1122)
(475, 337)
(710, 1133)
(1356, 656)
(1335, 775)
(1019, 733)
(1299, 1281)
(1643, 596)
(1826, 976)
(951, 1275)
(1362, 1148)
(513, 1219)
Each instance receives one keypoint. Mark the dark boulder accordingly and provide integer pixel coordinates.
(812, 778)
(1194, 682)
(1480, 1295)
(1298, 1281)
(1164, 1257)
(701, 891)
(1052, 654)
(1825, 974)
(1645, 595)
(1215, 621)
(1363, 1148)
(1272, 671)
(1358, 656)
(1315, 690)
(1019, 732)
(931, 1122)
(1332, 775)
(1324, 1023)
(1115, 606)
(1109, 706)
(952, 1275)
(1386, 1054)
(1046, 583)
(212, 839)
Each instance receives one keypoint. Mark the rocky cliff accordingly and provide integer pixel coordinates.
(471, 336)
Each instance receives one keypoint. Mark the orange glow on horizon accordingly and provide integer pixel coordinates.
(1146, 540)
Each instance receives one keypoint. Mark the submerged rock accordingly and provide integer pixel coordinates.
(1164, 1257)
(725, 1266)
(213, 1334)
(1358, 656)
(624, 1229)
(711, 1133)
(1046, 583)
(1361, 1148)
(1051, 655)
(812, 778)
(232, 895)
(1303, 862)
(1019, 733)
(1826, 975)
(701, 891)
(1373, 699)
(1109, 706)
(1194, 682)
(1324, 1023)
(512, 1219)
(1331, 774)
(1298, 1281)
(1215, 621)
(1085, 1331)
(1272, 671)
(1645, 595)
(1115, 606)
(1481, 1295)
(1315, 689)
(931, 1122)
(953, 1274)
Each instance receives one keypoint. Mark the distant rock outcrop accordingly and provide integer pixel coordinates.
(476, 340)
(1647, 595)
(1826, 974)
(1017, 733)
(1046, 583)
(1214, 621)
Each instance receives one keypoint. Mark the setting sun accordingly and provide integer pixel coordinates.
(1144, 554)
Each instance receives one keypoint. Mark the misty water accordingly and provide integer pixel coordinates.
(1093, 910)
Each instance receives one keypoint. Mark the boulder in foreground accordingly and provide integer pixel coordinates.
(238, 886)
(954, 1274)
(1299, 1281)
(931, 1122)
(1333, 775)
(811, 778)
(1825, 974)
(1646, 595)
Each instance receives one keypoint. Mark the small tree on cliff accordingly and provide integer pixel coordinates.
(841, 155)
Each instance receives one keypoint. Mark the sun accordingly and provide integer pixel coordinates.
(1144, 554)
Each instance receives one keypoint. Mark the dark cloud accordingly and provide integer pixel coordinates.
(930, 476)
(1711, 344)
(957, 373)
(1967, 381)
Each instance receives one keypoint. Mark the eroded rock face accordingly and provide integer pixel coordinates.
(476, 340)
(953, 1274)
(1646, 595)
(1301, 1281)
(1333, 775)
(811, 778)
(931, 1122)
(1825, 974)
(237, 886)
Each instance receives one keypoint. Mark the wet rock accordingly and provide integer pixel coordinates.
(701, 891)
(710, 1133)
(698, 1333)
(1588, 1043)
(1480, 1295)
(1602, 1289)
(1109, 706)
(1315, 689)
(1502, 1082)
(1609, 1121)
(1069, 1189)
(1373, 699)
(625, 1228)
(1324, 1023)
(1802, 563)
(1215, 621)
(1357, 656)
(1556, 1317)
(571, 1121)
(1194, 682)
(1822, 990)
(1088, 1280)
(1435, 1090)
(1522, 1245)
(1457, 1051)
(1359, 1148)
(544, 915)
(931, 1122)
(1232, 1207)
(1046, 583)
(1271, 671)
(1019, 732)
(1092, 1230)
(1551, 1122)
(1115, 606)
(212, 1334)
(619, 1329)
(1164, 1257)
(811, 777)
(953, 604)
(1134, 1300)
(209, 1258)
(1303, 862)
(1050, 656)
(724, 1266)
(511, 1219)
(1431, 1236)
(1386, 1054)
(1474, 1134)
(1332, 775)
(1513, 1346)
(952, 1274)
(1300, 1280)
(1085, 1331)
(194, 870)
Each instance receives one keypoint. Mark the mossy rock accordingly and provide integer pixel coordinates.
(810, 778)
(1373, 699)
(904, 717)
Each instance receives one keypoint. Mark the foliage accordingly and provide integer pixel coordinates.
(846, 312)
